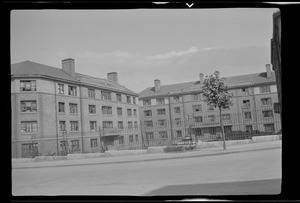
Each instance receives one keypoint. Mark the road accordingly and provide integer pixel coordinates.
(155, 177)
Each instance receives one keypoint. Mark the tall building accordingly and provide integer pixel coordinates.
(173, 111)
(54, 108)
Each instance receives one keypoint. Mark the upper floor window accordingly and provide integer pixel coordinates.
(107, 110)
(107, 124)
(92, 109)
(149, 123)
(211, 118)
(128, 99)
(119, 111)
(245, 91)
(73, 108)
(146, 102)
(148, 113)
(134, 100)
(160, 101)
(119, 97)
(27, 85)
(265, 89)
(196, 97)
(161, 111)
(267, 113)
(246, 103)
(176, 99)
(134, 112)
(61, 107)
(226, 116)
(129, 112)
(106, 95)
(28, 106)
(93, 125)
(29, 126)
(177, 109)
(162, 122)
(266, 101)
(210, 107)
(198, 119)
(61, 89)
(72, 90)
(91, 93)
(197, 108)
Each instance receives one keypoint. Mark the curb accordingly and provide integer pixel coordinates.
(155, 159)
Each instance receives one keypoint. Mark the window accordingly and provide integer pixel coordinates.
(247, 115)
(107, 124)
(210, 107)
(226, 116)
(75, 144)
(197, 108)
(162, 122)
(148, 113)
(267, 113)
(245, 91)
(246, 103)
(135, 124)
(134, 112)
(163, 134)
(73, 108)
(198, 119)
(134, 101)
(178, 133)
(129, 112)
(106, 95)
(119, 111)
(147, 102)
(120, 124)
(29, 126)
(106, 110)
(269, 128)
(136, 138)
(177, 109)
(61, 107)
(92, 109)
(130, 124)
(62, 125)
(130, 138)
(93, 142)
(265, 89)
(93, 125)
(74, 125)
(121, 140)
(161, 111)
(276, 107)
(149, 136)
(61, 89)
(196, 97)
(128, 99)
(27, 85)
(91, 93)
(249, 129)
(119, 97)
(149, 123)
(266, 101)
(178, 121)
(72, 90)
(211, 118)
(160, 101)
(28, 106)
(176, 99)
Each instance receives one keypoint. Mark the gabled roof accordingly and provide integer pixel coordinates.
(29, 69)
(231, 82)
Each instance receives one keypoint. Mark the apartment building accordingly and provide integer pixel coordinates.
(171, 111)
(56, 107)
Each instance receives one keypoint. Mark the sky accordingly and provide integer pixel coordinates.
(141, 45)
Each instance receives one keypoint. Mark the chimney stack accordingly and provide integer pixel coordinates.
(112, 76)
(68, 65)
(156, 85)
(268, 70)
(218, 73)
(201, 78)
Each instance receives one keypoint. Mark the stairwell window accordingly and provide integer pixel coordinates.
(74, 125)
(93, 125)
(29, 126)
(61, 107)
(27, 85)
(72, 90)
(28, 106)
(92, 109)
(62, 125)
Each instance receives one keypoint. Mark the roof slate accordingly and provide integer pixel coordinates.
(233, 81)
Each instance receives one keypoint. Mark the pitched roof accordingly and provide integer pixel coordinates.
(233, 81)
(32, 69)
(29, 69)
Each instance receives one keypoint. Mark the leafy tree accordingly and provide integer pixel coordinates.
(215, 93)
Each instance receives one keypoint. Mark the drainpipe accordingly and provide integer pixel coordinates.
(171, 123)
(55, 98)
(81, 116)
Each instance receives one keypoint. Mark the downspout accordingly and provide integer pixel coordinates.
(183, 111)
(81, 117)
(55, 97)
(171, 123)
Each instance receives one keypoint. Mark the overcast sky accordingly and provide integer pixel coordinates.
(143, 45)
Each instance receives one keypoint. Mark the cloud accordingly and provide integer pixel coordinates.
(174, 53)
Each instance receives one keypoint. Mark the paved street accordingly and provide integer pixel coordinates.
(153, 177)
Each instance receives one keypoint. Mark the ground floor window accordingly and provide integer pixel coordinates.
(136, 138)
(269, 128)
(94, 143)
(121, 140)
(163, 134)
(29, 150)
(75, 145)
(130, 138)
(179, 133)
(149, 136)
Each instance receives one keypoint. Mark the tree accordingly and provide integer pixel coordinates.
(215, 93)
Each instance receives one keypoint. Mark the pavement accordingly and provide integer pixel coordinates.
(153, 156)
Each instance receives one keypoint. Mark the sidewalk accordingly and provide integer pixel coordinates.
(154, 156)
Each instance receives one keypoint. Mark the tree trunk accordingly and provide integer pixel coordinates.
(222, 127)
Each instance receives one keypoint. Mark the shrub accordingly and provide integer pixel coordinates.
(174, 148)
